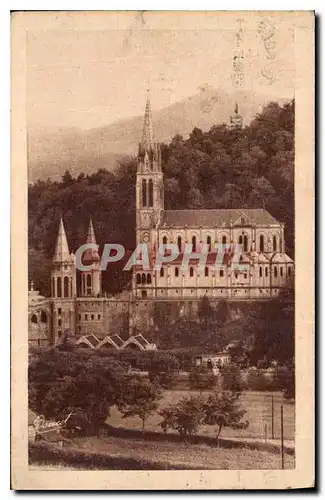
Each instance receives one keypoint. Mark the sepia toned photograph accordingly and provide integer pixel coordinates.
(163, 235)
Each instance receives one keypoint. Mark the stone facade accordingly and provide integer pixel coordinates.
(87, 311)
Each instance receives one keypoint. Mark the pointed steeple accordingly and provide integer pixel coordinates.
(61, 253)
(91, 255)
(148, 140)
(91, 233)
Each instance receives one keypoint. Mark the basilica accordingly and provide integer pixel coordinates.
(87, 313)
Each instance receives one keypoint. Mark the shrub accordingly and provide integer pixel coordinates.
(286, 381)
(185, 417)
(232, 378)
(257, 381)
(201, 378)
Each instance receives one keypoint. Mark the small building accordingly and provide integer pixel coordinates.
(213, 360)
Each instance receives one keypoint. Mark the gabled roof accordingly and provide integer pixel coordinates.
(262, 259)
(216, 217)
(140, 338)
(117, 340)
(283, 258)
(92, 339)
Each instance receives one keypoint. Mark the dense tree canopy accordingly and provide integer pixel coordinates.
(251, 167)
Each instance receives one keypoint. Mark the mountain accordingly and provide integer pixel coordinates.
(53, 151)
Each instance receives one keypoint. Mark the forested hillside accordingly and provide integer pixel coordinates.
(222, 168)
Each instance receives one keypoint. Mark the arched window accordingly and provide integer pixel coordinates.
(275, 269)
(161, 272)
(266, 272)
(150, 193)
(88, 280)
(191, 272)
(58, 287)
(224, 240)
(144, 193)
(245, 243)
(194, 243)
(34, 319)
(53, 287)
(43, 317)
(66, 286)
(274, 244)
(138, 279)
(149, 279)
(143, 279)
(289, 270)
(206, 272)
(240, 240)
(165, 240)
(179, 243)
(221, 273)
(261, 272)
(209, 243)
(281, 271)
(261, 243)
(176, 272)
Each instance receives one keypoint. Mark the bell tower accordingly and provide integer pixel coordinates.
(91, 281)
(64, 287)
(149, 183)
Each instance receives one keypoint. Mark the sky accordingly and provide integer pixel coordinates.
(91, 78)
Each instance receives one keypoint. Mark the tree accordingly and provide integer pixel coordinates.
(74, 381)
(231, 378)
(185, 417)
(139, 398)
(201, 378)
(205, 311)
(223, 410)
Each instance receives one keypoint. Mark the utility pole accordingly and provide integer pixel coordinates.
(282, 451)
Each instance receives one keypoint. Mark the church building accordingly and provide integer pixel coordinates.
(268, 268)
(88, 313)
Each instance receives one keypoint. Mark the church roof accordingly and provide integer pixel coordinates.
(282, 258)
(91, 255)
(61, 253)
(217, 217)
(147, 131)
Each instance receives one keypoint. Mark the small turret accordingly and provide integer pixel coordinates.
(91, 282)
(236, 120)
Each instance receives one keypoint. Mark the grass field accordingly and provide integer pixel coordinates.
(257, 405)
(173, 455)
(167, 454)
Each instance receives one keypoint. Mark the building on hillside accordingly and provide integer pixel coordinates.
(87, 313)
(269, 268)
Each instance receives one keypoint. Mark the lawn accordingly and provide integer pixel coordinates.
(257, 405)
(182, 455)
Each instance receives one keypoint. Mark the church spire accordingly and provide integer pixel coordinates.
(91, 233)
(61, 253)
(147, 142)
(91, 255)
